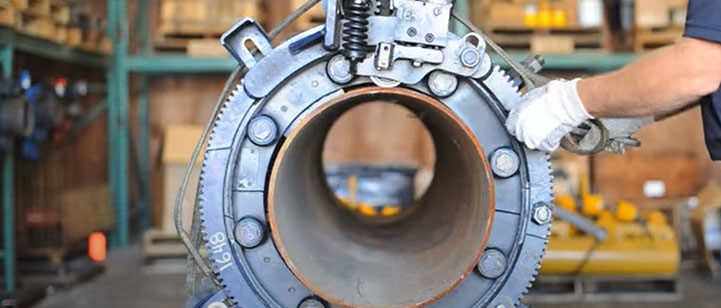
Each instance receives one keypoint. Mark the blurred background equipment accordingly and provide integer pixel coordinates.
(95, 141)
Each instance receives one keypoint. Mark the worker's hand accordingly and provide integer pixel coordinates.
(545, 115)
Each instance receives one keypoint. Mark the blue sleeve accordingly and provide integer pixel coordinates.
(704, 20)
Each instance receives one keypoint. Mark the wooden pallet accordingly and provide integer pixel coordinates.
(551, 41)
(186, 25)
(8, 13)
(566, 289)
(310, 19)
(158, 244)
(652, 38)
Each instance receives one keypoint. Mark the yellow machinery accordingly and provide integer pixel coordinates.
(636, 244)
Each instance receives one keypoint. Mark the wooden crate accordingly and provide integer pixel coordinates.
(20, 4)
(60, 11)
(38, 26)
(39, 8)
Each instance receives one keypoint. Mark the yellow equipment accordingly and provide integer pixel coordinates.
(635, 246)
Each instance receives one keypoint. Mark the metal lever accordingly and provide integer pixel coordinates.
(237, 38)
(580, 222)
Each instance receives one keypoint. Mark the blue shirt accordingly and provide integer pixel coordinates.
(704, 22)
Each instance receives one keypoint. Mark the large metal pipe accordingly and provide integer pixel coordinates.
(408, 262)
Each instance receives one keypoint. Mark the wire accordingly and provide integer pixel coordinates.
(193, 252)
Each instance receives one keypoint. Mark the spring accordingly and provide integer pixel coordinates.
(355, 31)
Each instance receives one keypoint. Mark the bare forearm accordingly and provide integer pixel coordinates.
(658, 84)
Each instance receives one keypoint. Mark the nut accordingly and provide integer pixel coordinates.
(470, 57)
(262, 130)
(505, 162)
(542, 214)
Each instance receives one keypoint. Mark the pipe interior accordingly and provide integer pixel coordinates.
(414, 260)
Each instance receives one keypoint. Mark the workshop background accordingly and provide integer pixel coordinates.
(103, 101)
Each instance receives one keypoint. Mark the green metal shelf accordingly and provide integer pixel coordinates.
(595, 62)
(10, 42)
(180, 65)
(50, 50)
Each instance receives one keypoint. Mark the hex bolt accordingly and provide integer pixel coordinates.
(470, 57)
(311, 303)
(442, 84)
(217, 305)
(505, 162)
(492, 264)
(412, 32)
(339, 70)
(262, 130)
(429, 37)
(249, 232)
(542, 214)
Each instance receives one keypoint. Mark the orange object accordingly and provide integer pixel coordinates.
(567, 202)
(97, 247)
(626, 212)
(592, 205)
(559, 19)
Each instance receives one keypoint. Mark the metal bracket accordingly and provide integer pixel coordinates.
(332, 32)
(236, 42)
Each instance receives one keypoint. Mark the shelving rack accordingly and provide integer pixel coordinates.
(10, 42)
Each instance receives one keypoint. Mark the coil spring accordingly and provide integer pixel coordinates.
(355, 31)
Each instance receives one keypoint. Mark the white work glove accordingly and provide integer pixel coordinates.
(547, 114)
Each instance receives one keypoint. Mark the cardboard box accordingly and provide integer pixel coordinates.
(178, 145)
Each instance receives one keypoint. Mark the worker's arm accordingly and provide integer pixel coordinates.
(655, 85)
(658, 84)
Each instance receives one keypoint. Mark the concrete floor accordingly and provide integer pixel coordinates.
(128, 284)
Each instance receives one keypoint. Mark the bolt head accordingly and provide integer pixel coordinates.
(429, 37)
(542, 214)
(470, 57)
(311, 303)
(339, 70)
(437, 11)
(412, 32)
(249, 232)
(262, 130)
(492, 264)
(505, 162)
(217, 305)
(442, 84)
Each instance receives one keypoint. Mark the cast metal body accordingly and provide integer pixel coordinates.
(413, 58)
